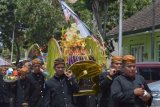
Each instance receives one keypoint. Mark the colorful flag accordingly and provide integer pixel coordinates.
(66, 13)
(84, 31)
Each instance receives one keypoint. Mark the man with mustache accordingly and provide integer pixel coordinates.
(130, 89)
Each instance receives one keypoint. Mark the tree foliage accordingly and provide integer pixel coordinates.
(6, 21)
(40, 19)
(30, 20)
(37, 20)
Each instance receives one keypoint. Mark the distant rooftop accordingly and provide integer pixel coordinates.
(140, 21)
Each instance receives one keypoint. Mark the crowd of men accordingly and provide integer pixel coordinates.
(120, 86)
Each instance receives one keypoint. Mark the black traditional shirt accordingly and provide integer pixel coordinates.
(122, 91)
(59, 92)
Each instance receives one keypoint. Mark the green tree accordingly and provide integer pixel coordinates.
(6, 22)
(40, 18)
(30, 20)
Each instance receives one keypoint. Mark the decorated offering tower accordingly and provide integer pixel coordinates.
(83, 56)
(73, 46)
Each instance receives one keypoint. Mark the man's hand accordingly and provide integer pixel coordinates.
(112, 72)
(68, 74)
(145, 97)
(138, 91)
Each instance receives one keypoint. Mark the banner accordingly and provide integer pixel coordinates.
(84, 31)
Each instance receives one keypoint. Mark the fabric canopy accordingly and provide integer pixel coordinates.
(3, 62)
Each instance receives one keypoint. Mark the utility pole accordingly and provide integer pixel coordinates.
(153, 30)
(25, 48)
(12, 41)
(120, 27)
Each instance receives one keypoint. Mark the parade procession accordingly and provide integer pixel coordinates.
(75, 68)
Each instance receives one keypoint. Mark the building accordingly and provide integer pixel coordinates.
(138, 38)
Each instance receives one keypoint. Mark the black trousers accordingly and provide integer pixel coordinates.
(86, 101)
(4, 104)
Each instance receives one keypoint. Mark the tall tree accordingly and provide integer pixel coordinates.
(30, 20)
(40, 18)
(6, 22)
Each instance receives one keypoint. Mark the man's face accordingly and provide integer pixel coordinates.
(60, 68)
(117, 65)
(36, 68)
(28, 65)
(3, 71)
(130, 69)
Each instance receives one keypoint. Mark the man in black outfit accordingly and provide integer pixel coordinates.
(7, 92)
(130, 89)
(36, 82)
(22, 88)
(4, 96)
(60, 88)
(106, 79)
